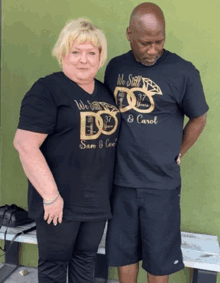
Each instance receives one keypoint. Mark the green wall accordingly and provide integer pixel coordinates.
(30, 29)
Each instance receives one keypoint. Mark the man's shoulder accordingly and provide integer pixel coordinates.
(118, 59)
(177, 60)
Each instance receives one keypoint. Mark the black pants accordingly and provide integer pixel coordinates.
(71, 244)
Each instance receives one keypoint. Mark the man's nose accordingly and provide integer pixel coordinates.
(152, 49)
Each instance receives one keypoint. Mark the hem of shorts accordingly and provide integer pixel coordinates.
(118, 264)
(180, 267)
(144, 187)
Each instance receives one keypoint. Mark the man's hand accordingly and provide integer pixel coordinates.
(178, 159)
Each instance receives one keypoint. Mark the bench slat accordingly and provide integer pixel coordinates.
(199, 251)
(200, 242)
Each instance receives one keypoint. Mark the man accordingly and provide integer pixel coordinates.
(154, 89)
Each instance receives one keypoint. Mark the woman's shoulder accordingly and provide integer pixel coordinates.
(49, 87)
(54, 78)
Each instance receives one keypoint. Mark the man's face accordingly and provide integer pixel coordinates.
(147, 45)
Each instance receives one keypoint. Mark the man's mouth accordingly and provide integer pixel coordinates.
(151, 59)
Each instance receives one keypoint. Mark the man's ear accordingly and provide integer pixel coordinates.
(128, 33)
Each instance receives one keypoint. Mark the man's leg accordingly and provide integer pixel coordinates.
(123, 242)
(128, 273)
(160, 233)
(157, 279)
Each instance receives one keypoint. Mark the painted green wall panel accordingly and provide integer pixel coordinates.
(30, 29)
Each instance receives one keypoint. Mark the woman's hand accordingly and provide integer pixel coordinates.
(54, 212)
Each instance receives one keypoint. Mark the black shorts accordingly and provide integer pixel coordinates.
(145, 226)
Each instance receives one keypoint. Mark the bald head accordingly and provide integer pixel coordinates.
(146, 33)
(147, 16)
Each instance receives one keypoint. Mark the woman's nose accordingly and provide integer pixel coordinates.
(83, 58)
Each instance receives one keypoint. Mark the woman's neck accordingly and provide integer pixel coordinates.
(89, 87)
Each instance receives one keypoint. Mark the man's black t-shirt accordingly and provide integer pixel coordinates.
(80, 147)
(153, 101)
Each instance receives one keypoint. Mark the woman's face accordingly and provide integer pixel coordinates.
(82, 63)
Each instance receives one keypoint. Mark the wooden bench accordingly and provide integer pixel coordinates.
(200, 252)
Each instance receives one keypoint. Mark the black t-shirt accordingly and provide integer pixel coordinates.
(153, 101)
(80, 147)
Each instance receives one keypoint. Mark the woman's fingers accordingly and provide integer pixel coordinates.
(46, 214)
(55, 221)
(60, 218)
(54, 212)
(50, 219)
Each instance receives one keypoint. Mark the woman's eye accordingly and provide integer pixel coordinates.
(92, 53)
(75, 52)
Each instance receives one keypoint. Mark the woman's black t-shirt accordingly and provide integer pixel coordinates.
(80, 147)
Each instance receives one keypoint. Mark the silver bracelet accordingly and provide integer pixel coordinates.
(52, 201)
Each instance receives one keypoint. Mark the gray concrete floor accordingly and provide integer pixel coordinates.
(31, 277)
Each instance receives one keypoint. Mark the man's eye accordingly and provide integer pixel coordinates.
(145, 43)
(159, 42)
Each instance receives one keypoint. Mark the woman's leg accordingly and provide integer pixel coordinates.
(81, 267)
(55, 246)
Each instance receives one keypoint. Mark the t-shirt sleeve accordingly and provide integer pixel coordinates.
(193, 103)
(38, 110)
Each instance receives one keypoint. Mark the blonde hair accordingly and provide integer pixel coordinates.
(83, 31)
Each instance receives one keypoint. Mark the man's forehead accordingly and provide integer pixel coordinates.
(148, 35)
(150, 39)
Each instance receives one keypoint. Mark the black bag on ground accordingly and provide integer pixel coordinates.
(14, 216)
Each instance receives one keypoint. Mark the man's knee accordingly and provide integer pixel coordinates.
(157, 279)
(128, 273)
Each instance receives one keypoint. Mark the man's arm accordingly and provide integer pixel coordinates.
(191, 132)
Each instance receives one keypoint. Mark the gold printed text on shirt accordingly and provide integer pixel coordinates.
(137, 97)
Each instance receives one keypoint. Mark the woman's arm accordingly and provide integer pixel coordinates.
(28, 144)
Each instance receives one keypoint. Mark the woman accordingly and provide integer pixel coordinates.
(66, 140)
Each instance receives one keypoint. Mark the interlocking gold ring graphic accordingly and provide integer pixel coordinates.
(99, 123)
(149, 89)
